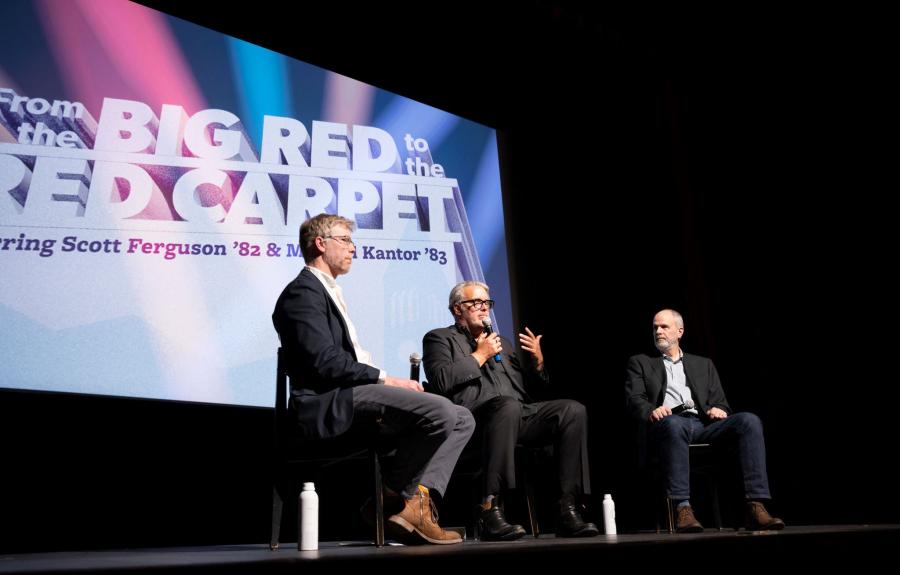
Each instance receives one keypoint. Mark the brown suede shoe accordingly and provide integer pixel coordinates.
(417, 523)
(758, 519)
(686, 522)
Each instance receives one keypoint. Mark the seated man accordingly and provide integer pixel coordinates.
(678, 381)
(480, 370)
(334, 386)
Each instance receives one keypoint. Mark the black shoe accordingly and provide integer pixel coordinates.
(570, 523)
(495, 527)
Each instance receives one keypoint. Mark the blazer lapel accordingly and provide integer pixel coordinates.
(333, 308)
(461, 341)
(691, 374)
(658, 373)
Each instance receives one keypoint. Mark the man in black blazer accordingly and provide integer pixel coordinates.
(680, 397)
(334, 385)
(481, 371)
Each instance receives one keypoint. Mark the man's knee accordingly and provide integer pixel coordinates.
(507, 409)
(573, 411)
(448, 416)
(747, 422)
(671, 427)
(500, 413)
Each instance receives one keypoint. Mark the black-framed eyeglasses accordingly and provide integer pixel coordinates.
(478, 304)
(346, 240)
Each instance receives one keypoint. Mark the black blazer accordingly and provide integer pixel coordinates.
(645, 385)
(319, 355)
(453, 372)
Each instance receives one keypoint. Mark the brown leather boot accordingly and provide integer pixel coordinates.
(417, 523)
(758, 519)
(685, 521)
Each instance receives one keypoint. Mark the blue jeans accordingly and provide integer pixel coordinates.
(673, 435)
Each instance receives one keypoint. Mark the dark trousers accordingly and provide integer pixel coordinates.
(504, 422)
(673, 435)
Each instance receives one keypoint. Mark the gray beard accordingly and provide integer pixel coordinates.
(663, 346)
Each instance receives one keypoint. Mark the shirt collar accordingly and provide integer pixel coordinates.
(325, 278)
(674, 361)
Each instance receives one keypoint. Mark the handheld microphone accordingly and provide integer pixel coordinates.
(414, 361)
(489, 329)
(688, 404)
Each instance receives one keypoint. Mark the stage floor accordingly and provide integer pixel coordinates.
(739, 548)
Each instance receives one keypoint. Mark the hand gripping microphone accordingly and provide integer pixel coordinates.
(414, 361)
(688, 404)
(489, 329)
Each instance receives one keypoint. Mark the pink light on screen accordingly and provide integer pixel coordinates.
(114, 48)
(119, 49)
(347, 100)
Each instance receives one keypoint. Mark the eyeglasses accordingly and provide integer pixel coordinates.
(343, 239)
(478, 304)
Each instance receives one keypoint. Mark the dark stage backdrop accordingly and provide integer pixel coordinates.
(726, 165)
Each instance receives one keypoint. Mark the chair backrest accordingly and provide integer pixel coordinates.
(281, 395)
(281, 390)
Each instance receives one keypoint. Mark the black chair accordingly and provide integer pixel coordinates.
(705, 464)
(527, 460)
(296, 459)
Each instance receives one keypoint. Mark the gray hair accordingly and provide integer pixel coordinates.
(456, 294)
(679, 321)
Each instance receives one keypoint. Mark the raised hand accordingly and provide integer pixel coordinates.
(532, 344)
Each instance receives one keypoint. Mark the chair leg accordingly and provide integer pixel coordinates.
(714, 494)
(670, 515)
(476, 522)
(532, 516)
(379, 499)
(476, 490)
(529, 503)
(276, 519)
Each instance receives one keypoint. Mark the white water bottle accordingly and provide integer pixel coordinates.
(609, 514)
(309, 518)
